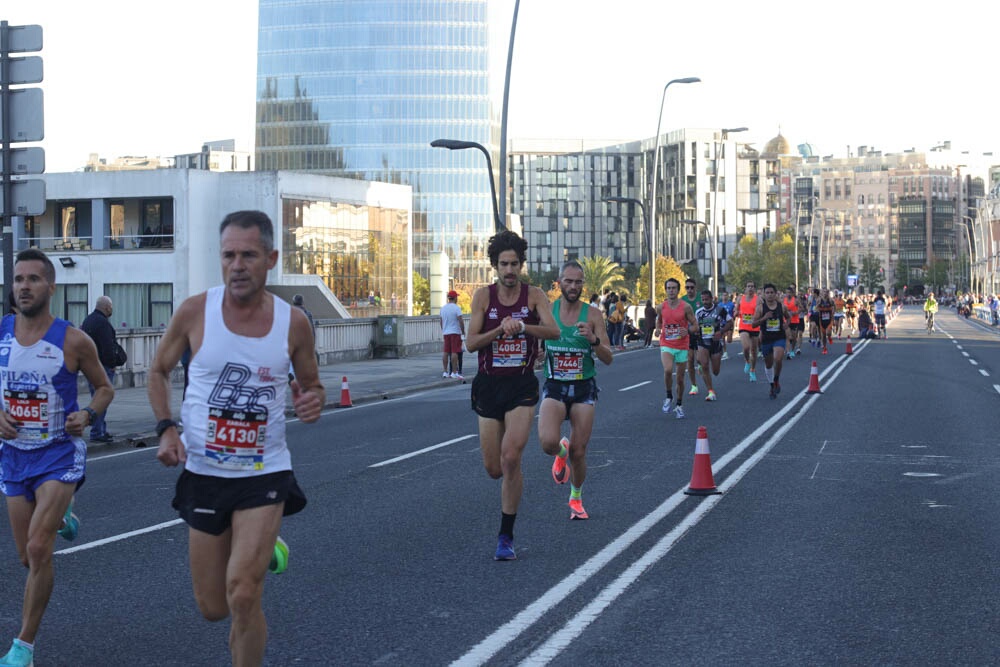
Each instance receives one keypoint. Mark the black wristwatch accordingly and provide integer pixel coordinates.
(597, 341)
(91, 414)
(163, 425)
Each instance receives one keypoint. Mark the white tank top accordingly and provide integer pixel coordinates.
(234, 410)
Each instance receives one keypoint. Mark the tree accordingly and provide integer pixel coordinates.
(746, 264)
(778, 259)
(421, 295)
(845, 267)
(870, 275)
(666, 267)
(937, 275)
(600, 272)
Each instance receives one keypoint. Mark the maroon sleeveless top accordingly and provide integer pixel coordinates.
(509, 355)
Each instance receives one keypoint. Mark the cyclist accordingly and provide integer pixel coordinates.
(930, 307)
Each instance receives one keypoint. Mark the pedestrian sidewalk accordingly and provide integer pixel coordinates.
(130, 419)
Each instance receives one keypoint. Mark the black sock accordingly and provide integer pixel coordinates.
(680, 399)
(507, 524)
(670, 396)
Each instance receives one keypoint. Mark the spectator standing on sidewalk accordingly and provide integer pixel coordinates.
(649, 314)
(42, 452)
(299, 303)
(453, 330)
(98, 326)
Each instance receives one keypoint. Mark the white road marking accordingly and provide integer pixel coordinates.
(635, 385)
(965, 354)
(118, 538)
(422, 451)
(508, 632)
(562, 639)
(984, 373)
(997, 387)
(973, 362)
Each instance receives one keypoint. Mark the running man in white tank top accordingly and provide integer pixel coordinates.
(237, 481)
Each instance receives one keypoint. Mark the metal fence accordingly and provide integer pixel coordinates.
(336, 340)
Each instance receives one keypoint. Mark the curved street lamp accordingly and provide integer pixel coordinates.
(656, 173)
(457, 145)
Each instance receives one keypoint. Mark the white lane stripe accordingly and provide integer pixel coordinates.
(965, 354)
(982, 371)
(117, 538)
(562, 639)
(635, 385)
(422, 451)
(137, 450)
(509, 631)
(973, 362)
(997, 387)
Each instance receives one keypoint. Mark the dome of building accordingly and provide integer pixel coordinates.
(779, 145)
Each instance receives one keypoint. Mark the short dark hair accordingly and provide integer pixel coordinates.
(669, 280)
(571, 264)
(297, 300)
(36, 255)
(766, 285)
(706, 291)
(249, 220)
(506, 240)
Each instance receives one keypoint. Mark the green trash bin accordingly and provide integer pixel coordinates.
(389, 336)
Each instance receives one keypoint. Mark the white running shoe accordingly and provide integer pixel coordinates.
(679, 412)
(668, 405)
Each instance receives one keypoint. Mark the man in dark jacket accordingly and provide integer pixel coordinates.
(98, 326)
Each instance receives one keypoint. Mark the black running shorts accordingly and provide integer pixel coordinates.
(207, 503)
(493, 396)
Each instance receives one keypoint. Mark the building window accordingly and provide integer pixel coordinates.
(70, 303)
(141, 304)
(157, 223)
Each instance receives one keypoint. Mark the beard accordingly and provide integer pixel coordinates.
(571, 297)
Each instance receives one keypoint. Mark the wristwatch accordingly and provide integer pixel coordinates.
(91, 414)
(163, 425)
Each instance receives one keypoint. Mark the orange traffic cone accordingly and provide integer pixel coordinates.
(814, 380)
(702, 482)
(345, 395)
(850, 348)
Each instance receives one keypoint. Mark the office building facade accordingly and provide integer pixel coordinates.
(359, 89)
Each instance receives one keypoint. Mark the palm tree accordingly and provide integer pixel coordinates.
(600, 272)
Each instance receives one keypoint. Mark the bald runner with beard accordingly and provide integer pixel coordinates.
(570, 390)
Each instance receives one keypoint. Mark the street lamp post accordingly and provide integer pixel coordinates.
(645, 228)
(656, 173)
(455, 145)
(715, 200)
(711, 240)
(812, 234)
(502, 211)
(968, 242)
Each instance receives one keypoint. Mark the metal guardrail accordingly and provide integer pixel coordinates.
(336, 340)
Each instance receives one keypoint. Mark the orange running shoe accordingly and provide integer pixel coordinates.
(576, 510)
(560, 467)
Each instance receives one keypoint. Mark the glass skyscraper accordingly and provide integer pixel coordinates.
(359, 89)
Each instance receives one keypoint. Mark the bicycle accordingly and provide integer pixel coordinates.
(930, 321)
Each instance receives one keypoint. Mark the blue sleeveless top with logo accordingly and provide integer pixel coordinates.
(37, 390)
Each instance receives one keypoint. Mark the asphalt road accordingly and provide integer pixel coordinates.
(856, 526)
